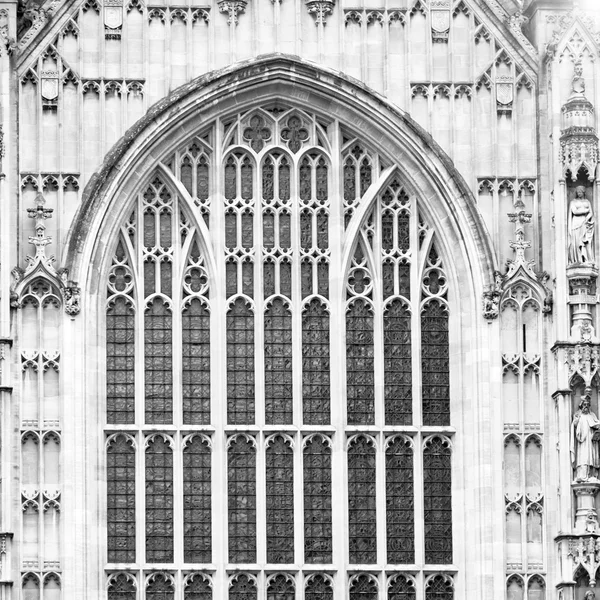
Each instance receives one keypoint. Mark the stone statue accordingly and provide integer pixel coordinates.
(581, 228)
(585, 452)
(589, 595)
(578, 82)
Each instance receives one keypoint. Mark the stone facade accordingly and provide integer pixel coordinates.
(299, 299)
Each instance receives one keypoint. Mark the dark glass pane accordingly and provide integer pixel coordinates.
(306, 220)
(230, 179)
(362, 522)
(364, 587)
(281, 587)
(241, 490)
(240, 364)
(149, 276)
(230, 229)
(397, 364)
(158, 335)
(159, 587)
(198, 588)
(120, 362)
(248, 278)
(437, 494)
(195, 351)
(317, 501)
(280, 502)
(269, 229)
(278, 364)
(186, 174)
(284, 180)
(401, 588)
(285, 278)
(439, 588)
(404, 279)
(322, 230)
(322, 180)
(323, 277)
(149, 228)
(318, 588)
(120, 500)
(399, 495)
(159, 501)
(246, 175)
(349, 181)
(387, 230)
(404, 231)
(197, 528)
(285, 237)
(306, 277)
(435, 368)
(231, 278)
(388, 270)
(242, 588)
(305, 180)
(247, 229)
(268, 183)
(122, 587)
(202, 179)
(365, 176)
(165, 228)
(315, 364)
(360, 376)
(269, 278)
(166, 269)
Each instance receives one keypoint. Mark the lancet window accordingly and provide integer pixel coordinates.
(253, 304)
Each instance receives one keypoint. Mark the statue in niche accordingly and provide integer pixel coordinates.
(578, 82)
(581, 228)
(589, 595)
(585, 451)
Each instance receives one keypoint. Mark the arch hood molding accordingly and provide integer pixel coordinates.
(425, 168)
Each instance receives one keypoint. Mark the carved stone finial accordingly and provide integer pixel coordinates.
(320, 9)
(40, 240)
(232, 8)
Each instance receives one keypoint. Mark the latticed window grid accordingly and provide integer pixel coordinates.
(280, 499)
(197, 502)
(277, 254)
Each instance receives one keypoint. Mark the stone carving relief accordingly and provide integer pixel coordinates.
(581, 225)
(320, 9)
(585, 441)
(232, 8)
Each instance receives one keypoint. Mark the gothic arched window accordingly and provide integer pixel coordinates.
(277, 370)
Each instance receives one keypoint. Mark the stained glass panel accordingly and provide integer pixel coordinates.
(437, 494)
(195, 355)
(362, 501)
(439, 588)
(280, 501)
(241, 490)
(397, 363)
(197, 527)
(197, 587)
(435, 368)
(317, 501)
(158, 337)
(240, 363)
(401, 588)
(281, 587)
(399, 493)
(364, 587)
(360, 364)
(159, 501)
(242, 587)
(120, 499)
(160, 587)
(278, 363)
(315, 363)
(318, 587)
(122, 587)
(120, 362)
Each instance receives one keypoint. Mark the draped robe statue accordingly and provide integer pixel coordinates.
(585, 451)
(581, 228)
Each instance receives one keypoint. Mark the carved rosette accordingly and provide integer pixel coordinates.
(320, 9)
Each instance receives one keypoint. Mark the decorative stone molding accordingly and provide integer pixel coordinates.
(320, 9)
(33, 20)
(232, 8)
(581, 359)
(7, 43)
(584, 551)
(579, 149)
(42, 265)
(515, 23)
(113, 19)
(505, 91)
(491, 298)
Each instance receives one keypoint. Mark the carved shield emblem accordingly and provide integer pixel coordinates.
(440, 20)
(113, 14)
(504, 91)
(49, 86)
